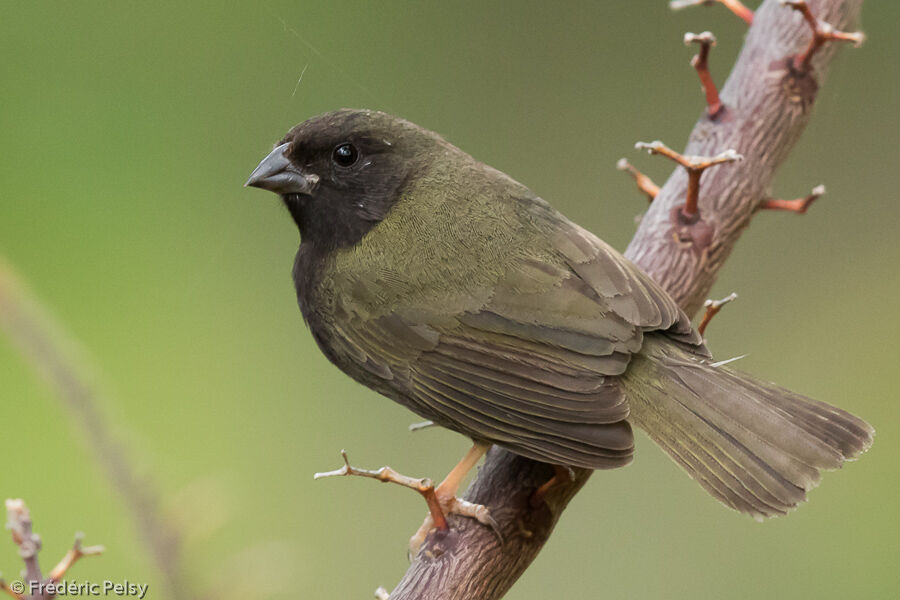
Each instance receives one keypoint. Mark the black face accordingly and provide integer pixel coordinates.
(354, 165)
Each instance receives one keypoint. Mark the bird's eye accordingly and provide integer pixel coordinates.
(345, 155)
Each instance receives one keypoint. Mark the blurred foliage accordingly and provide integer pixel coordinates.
(128, 129)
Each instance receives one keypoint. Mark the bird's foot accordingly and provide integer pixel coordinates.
(561, 476)
(449, 504)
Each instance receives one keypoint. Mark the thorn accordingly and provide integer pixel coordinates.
(799, 205)
(722, 363)
(424, 486)
(712, 309)
(644, 183)
(72, 556)
(822, 32)
(420, 426)
(695, 166)
(700, 62)
(734, 6)
(382, 594)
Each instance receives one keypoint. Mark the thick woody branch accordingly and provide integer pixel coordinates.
(769, 106)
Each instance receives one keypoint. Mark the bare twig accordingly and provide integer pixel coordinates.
(76, 553)
(700, 62)
(35, 586)
(822, 32)
(51, 351)
(694, 165)
(644, 183)
(798, 205)
(734, 6)
(424, 486)
(18, 522)
(712, 309)
(5, 587)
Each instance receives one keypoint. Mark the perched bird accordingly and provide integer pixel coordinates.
(452, 289)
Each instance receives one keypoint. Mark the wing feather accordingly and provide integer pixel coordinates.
(530, 361)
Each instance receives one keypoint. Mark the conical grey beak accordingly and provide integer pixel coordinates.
(277, 174)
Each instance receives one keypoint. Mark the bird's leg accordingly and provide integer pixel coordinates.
(562, 476)
(449, 504)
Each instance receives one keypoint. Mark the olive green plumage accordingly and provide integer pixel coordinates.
(452, 289)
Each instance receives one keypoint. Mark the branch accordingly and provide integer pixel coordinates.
(798, 205)
(734, 6)
(712, 309)
(35, 587)
(769, 106)
(52, 352)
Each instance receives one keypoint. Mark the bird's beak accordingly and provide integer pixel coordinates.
(277, 174)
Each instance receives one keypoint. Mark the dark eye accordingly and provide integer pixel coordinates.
(345, 155)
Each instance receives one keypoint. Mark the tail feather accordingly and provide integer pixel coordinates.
(754, 446)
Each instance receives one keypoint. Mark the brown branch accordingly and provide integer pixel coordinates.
(822, 32)
(798, 205)
(35, 587)
(694, 165)
(424, 486)
(769, 107)
(734, 6)
(6, 588)
(18, 522)
(52, 352)
(644, 183)
(700, 62)
(75, 553)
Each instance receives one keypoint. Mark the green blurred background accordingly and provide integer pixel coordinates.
(127, 131)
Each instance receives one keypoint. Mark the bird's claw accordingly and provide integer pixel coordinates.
(454, 506)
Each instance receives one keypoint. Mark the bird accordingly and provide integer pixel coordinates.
(449, 287)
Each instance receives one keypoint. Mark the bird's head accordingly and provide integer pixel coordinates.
(340, 173)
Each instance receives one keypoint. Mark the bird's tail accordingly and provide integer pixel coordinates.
(754, 446)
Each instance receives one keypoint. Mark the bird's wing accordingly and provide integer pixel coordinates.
(530, 363)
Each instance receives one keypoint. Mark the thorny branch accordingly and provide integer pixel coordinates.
(798, 205)
(700, 62)
(644, 183)
(712, 309)
(76, 553)
(822, 32)
(767, 113)
(53, 354)
(35, 587)
(424, 486)
(694, 165)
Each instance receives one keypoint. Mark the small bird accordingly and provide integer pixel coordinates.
(454, 290)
